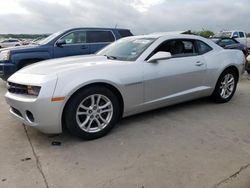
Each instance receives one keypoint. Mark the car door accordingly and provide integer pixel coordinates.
(178, 78)
(72, 43)
(98, 39)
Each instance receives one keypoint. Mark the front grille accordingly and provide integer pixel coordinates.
(17, 88)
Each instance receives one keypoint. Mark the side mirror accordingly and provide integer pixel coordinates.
(248, 58)
(60, 42)
(159, 56)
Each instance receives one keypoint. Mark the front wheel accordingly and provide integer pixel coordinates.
(225, 87)
(92, 112)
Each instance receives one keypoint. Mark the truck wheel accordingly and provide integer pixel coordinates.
(92, 112)
(248, 71)
(225, 87)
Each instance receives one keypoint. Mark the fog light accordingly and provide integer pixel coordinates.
(30, 116)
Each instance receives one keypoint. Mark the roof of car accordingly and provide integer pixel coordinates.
(95, 28)
(168, 34)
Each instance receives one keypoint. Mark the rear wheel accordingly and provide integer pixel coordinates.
(92, 112)
(248, 71)
(225, 87)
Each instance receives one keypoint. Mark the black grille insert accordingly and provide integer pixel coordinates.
(17, 112)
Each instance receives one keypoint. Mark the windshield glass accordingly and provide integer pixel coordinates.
(49, 38)
(126, 49)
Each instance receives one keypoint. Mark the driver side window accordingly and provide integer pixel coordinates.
(76, 37)
(178, 48)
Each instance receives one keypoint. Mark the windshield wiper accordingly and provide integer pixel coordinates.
(110, 57)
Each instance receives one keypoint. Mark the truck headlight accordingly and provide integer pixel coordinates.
(33, 90)
(5, 55)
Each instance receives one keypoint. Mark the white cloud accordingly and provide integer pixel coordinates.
(145, 5)
(141, 16)
(11, 6)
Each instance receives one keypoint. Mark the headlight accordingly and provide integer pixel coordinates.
(23, 89)
(33, 90)
(5, 55)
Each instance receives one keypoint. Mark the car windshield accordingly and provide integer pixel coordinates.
(49, 38)
(126, 49)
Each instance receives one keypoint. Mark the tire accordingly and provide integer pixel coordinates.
(229, 77)
(248, 71)
(81, 110)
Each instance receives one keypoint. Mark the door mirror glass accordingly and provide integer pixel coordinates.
(160, 56)
(60, 42)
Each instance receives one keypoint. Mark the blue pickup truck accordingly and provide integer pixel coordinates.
(76, 41)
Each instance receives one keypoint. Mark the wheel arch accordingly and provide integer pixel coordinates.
(234, 68)
(102, 84)
(28, 61)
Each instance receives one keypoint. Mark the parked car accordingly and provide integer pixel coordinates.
(88, 94)
(77, 41)
(231, 43)
(10, 43)
(248, 65)
(37, 40)
(240, 36)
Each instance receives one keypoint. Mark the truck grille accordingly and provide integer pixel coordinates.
(17, 88)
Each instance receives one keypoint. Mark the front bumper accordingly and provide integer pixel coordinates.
(7, 69)
(46, 114)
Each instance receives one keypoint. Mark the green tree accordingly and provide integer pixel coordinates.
(205, 33)
(248, 34)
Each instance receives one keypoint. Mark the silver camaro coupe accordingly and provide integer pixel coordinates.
(89, 94)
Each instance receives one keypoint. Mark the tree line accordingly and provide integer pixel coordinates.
(24, 36)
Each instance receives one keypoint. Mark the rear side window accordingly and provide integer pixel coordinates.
(203, 47)
(241, 34)
(125, 33)
(100, 36)
(13, 40)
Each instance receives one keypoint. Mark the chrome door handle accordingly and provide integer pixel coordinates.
(198, 63)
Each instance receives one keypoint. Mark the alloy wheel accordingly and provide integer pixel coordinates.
(227, 86)
(94, 113)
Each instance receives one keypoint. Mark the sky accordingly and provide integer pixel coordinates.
(140, 16)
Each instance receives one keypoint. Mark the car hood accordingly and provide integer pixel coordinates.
(56, 66)
(25, 48)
